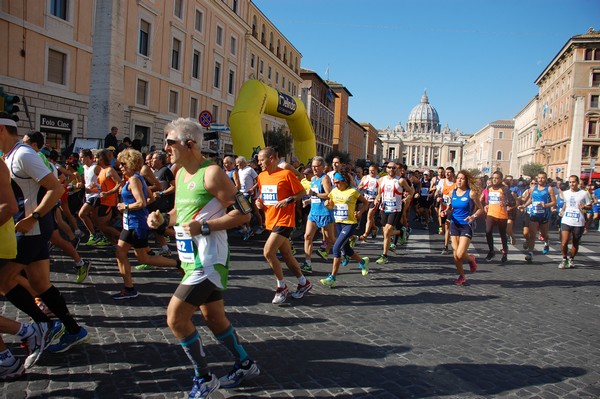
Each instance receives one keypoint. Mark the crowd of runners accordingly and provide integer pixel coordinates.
(119, 198)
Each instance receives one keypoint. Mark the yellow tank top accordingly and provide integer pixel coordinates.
(8, 239)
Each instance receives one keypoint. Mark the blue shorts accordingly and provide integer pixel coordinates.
(596, 208)
(321, 220)
(461, 230)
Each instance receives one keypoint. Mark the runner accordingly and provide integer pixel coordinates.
(498, 202)
(435, 182)
(202, 196)
(319, 217)
(444, 190)
(425, 200)
(512, 213)
(542, 199)
(464, 199)
(370, 185)
(248, 177)
(343, 201)
(89, 211)
(280, 189)
(572, 215)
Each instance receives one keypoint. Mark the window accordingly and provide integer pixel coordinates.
(199, 21)
(252, 60)
(261, 66)
(589, 54)
(219, 36)
(276, 78)
(142, 92)
(500, 135)
(175, 54)
(173, 102)
(452, 155)
(594, 101)
(178, 8)
(283, 82)
(144, 37)
(234, 6)
(592, 128)
(59, 9)
(196, 65)
(231, 82)
(193, 107)
(596, 79)
(233, 44)
(217, 76)
(269, 73)
(499, 156)
(594, 151)
(215, 113)
(57, 64)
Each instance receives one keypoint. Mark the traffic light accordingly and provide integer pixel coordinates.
(211, 136)
(8, 104)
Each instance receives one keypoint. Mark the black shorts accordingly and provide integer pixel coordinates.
(104, 210)
(94, 202)
(283, 231)
(131, 237)
(391, 218)
(512, 214)
(461, 230)
(199, 294)
(538, 219)
(576, 230)
(32, 248)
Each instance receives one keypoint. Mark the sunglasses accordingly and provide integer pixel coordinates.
(391, 167)
(170, 142)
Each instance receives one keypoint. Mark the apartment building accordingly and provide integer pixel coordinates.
(320, 105)
(489, 149)
(374, 145)
(525, 137)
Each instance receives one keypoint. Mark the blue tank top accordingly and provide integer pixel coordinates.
(560, 202)
(538, 199)
(134, 220)
(317, 207)
(461, 207)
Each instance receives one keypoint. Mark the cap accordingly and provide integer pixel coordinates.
(110, 148)
(426, 172)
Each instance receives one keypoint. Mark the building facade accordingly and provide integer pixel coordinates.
(490, 148)
(423, 144)
(525, 137)
(320, 105)
(569, 108)
(373, 145)
(83, 67)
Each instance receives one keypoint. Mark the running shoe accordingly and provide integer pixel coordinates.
(393, 247)
(513, 241)
(322, 253)
(40, 304)
(83, 271)
(301, 290)
(94, 238)
(504, 257)
(143, 266)
(571, 264)
(293, 251)
(246, 370)
(9, 372)
(103, 242)
(525, 245)
(55, 330)
(440, 231)
(564, 264)
(461, 280)
(472, 263)
(67, 341)
(490, 255)
(79, 234)
(35, 343)
(364, 266)
(247, 234)
(280, 295)
(329, 281)
(546, 249)
(540, 237)
(529, 257)
(374, 233)
(202, 389)
(352, 241)
(306, 268)
(345, 260)
(382, 260)
(259, 230)
(75, 242)
(445, 251)
(125, 294)
(165, 252)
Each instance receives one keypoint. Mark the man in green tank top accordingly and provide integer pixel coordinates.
(200, 218)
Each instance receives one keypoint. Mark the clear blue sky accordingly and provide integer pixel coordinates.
(478, 60)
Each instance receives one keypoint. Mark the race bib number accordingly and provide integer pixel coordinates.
(424, 191)
(125, 217)
(315, 200)
(269, 194)
(494, 198)
(371, 193)
(340, 212)
(538, 208)
(572, 215)
(447, 200)
(185, 245)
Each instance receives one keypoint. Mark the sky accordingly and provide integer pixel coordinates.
(477, 60)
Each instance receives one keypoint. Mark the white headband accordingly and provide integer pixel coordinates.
(7, 122)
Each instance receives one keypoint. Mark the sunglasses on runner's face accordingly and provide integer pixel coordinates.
(391, 167)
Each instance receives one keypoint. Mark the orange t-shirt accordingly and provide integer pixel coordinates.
(447, 193)
(497, 203)
(107, 184)
(275, 187)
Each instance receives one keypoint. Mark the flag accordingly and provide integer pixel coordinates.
(538, 135)
(545, 110)
(330, 95)
(327, 72)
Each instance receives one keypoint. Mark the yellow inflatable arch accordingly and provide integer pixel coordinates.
(256, 99)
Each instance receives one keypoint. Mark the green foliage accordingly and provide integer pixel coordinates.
(276, 137)
(532, 169)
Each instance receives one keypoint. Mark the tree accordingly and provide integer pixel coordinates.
(532, 169)
(343, 156)
(474, 171)
(280, 140)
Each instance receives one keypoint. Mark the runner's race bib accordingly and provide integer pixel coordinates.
(340, 212)
(269, 194)
(185, 245)
(494, 198)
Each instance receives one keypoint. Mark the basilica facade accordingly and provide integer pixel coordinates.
(424, 144)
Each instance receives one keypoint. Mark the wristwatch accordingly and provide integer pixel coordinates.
(289, 200)
(36, 215)
(204, 229)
